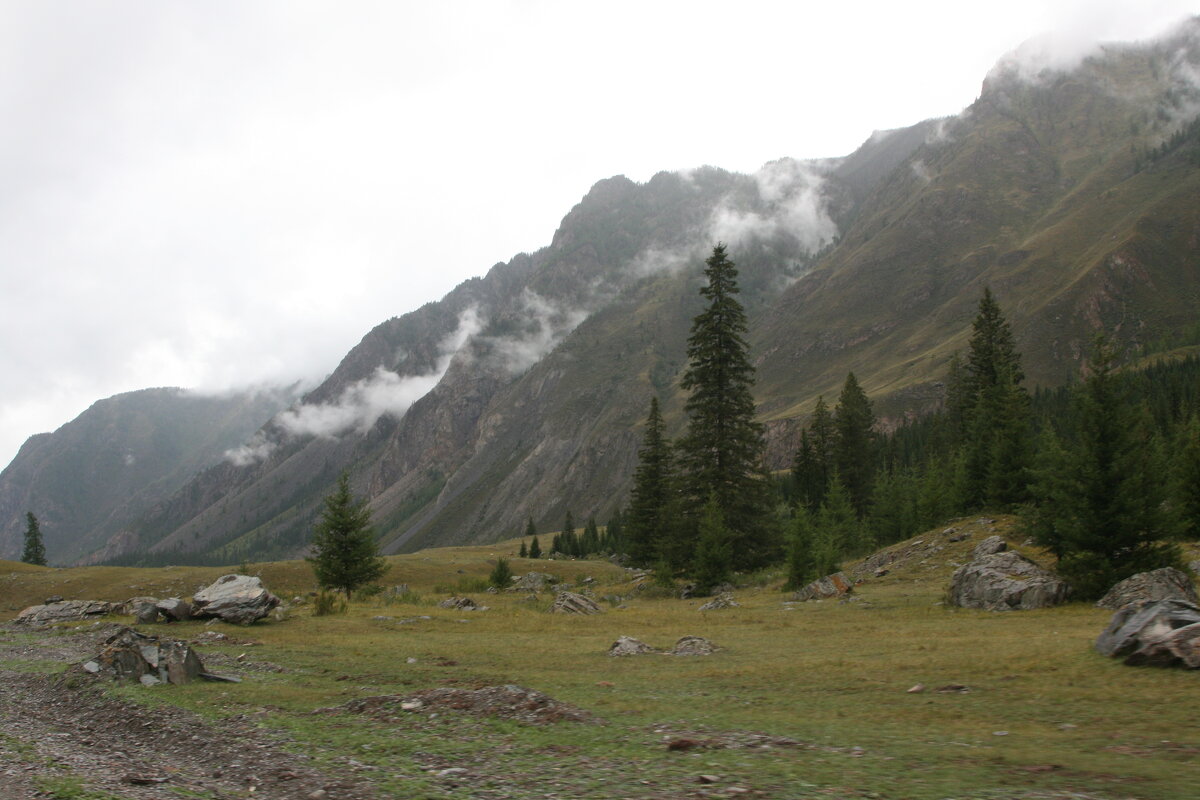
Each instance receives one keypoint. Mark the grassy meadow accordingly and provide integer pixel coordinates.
(804, 700)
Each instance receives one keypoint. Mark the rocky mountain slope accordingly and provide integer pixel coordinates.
(90, 479)
(520, 394)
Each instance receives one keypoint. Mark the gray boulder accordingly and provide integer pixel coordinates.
(628, 646)
(572, 603)
(64, 611)
(239, 599)
(1165, 633)
(533, 582)
(1005, 581)
(174, 609)
(693, 646)
(460, 603)
(1167, 583)
(836, 585)
(721, 601)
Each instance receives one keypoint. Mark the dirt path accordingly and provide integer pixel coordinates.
(54, 737)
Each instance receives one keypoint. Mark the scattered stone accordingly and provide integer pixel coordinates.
(723, 600)
(956, 535)
(628, 646)
(989, 546)
(42, 616)
(54, 598)
(532, 582)
(835, 585)
(1162, 634)
(917, 688)
(709, 779)
(239, 599)
(460, 603)
(953, 688)
(174, 609)
(1167, 583)
(572, 603)
(693, 646)
(1004, 581)
(451, 772)
(879, 573)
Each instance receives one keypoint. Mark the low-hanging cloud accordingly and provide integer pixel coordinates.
(360, 404)
(793, 204)
(543, 324)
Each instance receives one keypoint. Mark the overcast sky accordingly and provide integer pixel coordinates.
(214, 194)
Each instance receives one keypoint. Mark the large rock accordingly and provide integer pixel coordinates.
(572, 603)
(174, 609)
(1165, 633)
(239, 599)
(1167, 583)
(693, 646)
(64, 611)
(1005, 581)
(835, 585)
(721, 601)
(138, 658)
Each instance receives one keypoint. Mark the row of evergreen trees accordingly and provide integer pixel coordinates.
(593, 540)
(1105, 474)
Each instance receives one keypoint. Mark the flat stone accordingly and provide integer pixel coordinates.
(572, 603)
(65, 611)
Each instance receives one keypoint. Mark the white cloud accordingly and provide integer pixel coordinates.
(790, 190)
(544, 323)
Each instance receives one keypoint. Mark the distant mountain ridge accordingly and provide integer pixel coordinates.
(521, 393)
(89, 480)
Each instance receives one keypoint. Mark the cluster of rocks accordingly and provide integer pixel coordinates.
(720, 602)
(134, 657)
(238, 599)
(999, 579)
(461, 604)
(1159, 623)
(686, 646)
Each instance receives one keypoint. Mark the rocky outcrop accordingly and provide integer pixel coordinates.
(1167, 583)
(461, 604)
(1162, 634)
(572, 603)
(1005, 581)
(836, 585)
(533, 582)
(628, 646)
(239, 599)
(47, 614)
(988, 547)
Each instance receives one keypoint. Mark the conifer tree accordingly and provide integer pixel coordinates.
(1187, 478)
(535, 549)
(714, 549)
(995, 411)
(522, 553)
(651, 503)
(854, 448)
(720, 454)
(802, 557)
(838, 520)
(530, 530)
(345, 554)
(1105, 514)
(501, 575)
(589, 543)
(35, 549)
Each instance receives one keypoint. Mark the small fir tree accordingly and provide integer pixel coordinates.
(651, 503)
(714, 550)
(854, 449)
(35, 550)
(535, 549)
(501, 575)
(802, 562)
(345, 554)
(1104, 512)
(522, 553)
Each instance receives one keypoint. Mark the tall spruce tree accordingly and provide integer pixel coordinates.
(648, 528)
(535, 548)
(995, 412)
(854, 448)
(1100, 498)
(720, 454)
(345, 554)
(35, 549)
(813, 466)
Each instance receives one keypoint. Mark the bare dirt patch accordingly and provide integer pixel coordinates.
(502, 702)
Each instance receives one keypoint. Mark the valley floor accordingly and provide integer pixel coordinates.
(399, 698)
